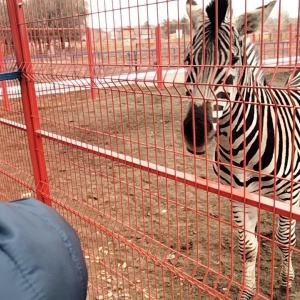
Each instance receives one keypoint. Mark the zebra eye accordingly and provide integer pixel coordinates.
(234, 59)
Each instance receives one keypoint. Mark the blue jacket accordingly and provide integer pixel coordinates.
(40, 254)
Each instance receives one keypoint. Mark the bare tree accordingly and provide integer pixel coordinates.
(55, 20)
(6, 35)
(146, 25)
(168, 27)
(185, 25)
(284, 18)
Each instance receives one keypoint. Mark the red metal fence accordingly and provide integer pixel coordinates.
(93, 127)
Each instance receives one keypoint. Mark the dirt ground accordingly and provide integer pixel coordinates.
(145, 236)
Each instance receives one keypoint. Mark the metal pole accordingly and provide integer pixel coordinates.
(135, 57)
(6, 105)
(159, 77)
(21, 46)
(290, 43)
(91, 61)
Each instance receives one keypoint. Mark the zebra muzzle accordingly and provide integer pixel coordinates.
(197, 152)
(189, 93)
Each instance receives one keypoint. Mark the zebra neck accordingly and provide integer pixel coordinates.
(254, 73)
(252, 80)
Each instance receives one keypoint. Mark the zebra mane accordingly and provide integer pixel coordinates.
(221, 6)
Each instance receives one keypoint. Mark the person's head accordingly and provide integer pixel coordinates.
(40, 254)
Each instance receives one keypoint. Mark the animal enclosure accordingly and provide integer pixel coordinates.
(91, 120)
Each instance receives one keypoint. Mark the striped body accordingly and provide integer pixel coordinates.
(249, 135)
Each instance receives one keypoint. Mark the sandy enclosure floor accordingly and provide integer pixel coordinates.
(145, 236)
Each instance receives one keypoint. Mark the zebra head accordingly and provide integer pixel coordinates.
(215, 64)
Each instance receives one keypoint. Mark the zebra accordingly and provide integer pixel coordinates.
(247, 134)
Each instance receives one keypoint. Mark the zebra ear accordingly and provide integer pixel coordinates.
(251, 21)
(229, 14)
(194, 12)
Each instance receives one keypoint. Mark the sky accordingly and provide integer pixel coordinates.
(107, 14)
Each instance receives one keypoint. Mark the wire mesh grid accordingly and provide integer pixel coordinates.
(16, 166)
(154, 220)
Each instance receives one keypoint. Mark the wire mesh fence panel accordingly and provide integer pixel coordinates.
(16, 166)
(163, 135)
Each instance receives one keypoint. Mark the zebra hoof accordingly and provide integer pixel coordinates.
(281, 294)
(189, 93)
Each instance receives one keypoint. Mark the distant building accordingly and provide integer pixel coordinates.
(131, 33)
(145, 32)
(122, 33)
(99, 34)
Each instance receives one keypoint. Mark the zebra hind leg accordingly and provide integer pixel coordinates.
(286, 237)
(246, 217)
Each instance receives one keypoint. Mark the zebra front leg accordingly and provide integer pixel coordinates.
(286, 237)
(246, 217)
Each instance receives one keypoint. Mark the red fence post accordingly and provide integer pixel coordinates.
(290, 42)
(21, 46)
(3, 83)
(91, 61)
(159, 77)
